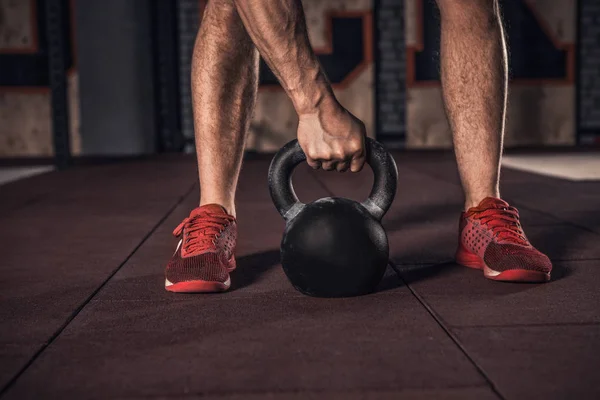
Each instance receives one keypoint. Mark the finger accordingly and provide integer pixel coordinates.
(329, 165)
(357, 164)
(339, 155)
(343, 166)
(314, 164)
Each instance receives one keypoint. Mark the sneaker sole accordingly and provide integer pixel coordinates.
(200, 286)
(469, 260)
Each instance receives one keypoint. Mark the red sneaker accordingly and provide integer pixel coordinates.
(492, 239)
(204, 256)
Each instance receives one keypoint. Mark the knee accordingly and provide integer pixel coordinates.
(461, 9)
(220, 9)
(220, 16)
(220, 3)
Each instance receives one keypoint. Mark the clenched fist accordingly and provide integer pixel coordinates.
(332, 138)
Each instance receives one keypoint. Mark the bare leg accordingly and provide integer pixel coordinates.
(474, 79)
(224, 84)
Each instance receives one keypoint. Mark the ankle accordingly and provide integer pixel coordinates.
(228, 206)
(474, 200)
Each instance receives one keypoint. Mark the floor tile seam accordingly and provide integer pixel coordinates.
(274, 391)
(73, 315)
(264, 295)
(517, 326)
(491, 385)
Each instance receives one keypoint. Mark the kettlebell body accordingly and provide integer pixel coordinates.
(333, 247)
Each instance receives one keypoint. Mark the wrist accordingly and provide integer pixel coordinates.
(315, 97)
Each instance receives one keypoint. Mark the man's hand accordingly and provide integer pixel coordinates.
(332, 138)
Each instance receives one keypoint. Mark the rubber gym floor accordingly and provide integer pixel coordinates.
(85, 314)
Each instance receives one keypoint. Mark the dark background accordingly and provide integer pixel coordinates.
(133, 63)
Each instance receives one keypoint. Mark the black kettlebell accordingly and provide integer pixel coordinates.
(333, 247)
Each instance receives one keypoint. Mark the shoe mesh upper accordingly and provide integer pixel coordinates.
(204, 267)
(503, 257)
(492, 230)
(215, 233)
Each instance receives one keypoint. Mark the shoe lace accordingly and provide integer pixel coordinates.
(504, 223)
(201, 231)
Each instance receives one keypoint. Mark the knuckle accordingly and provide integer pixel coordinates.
(311, 154)
(339, 155)
(322, 156)
(356, 146)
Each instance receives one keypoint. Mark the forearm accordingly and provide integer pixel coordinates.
(278, 30)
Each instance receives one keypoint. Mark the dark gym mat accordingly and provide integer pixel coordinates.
(532, 217)
(13, 357)
(550, 362)
(223, 344)
(565, 242)
(135, 339)
(29, 191)
(424, 243)
(555, 195)
(463, 393)
(434, 240)
(26, 192)
(257, 257)
(544, 197)
(463, 297)
(57, 251)
(259, 234)
(530, 212)
(422, 224)
(422, 210)
(413, 186)
(253, 184)
(442, 165)
(420, 198)
(263, 336)
(589, 220)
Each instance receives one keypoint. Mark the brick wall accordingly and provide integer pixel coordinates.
(391, 72)
(188, 19)
(589, 71)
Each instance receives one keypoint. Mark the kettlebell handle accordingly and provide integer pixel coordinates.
(289, 156)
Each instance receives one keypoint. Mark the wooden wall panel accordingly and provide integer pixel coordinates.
(25, 128)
